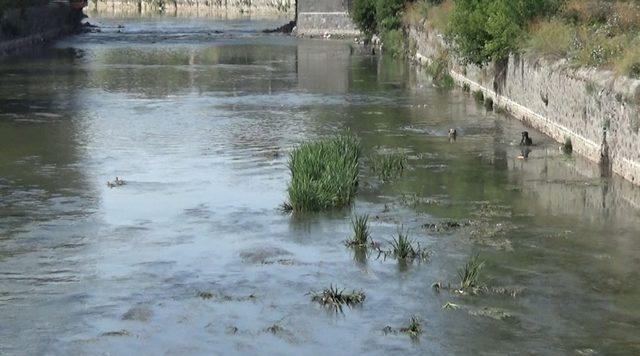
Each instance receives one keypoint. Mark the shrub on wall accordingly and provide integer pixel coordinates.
(485, 30)
(364, 15)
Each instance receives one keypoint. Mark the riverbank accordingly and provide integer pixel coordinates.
(21, 29)
(595, 109)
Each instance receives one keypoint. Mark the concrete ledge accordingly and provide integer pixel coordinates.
(321, 23)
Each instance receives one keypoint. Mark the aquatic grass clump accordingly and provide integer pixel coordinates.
(361, 234)
(402, 248)
(414, 329)
(469, 274)
(334, 298)
(567, 146)
(478, 95)
(488, 104)
(388, 166)
(324, 174)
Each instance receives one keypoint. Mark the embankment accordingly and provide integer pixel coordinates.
(596, 109)
(21, 29)
(194, 8)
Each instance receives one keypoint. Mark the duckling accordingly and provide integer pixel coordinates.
(453, 134)
(116, 183)
(526, 140)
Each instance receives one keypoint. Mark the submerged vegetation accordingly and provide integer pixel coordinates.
(388, 166)
(324, 174)
(334, 298)
(414, 329)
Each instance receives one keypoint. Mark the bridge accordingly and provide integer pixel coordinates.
(319, 17)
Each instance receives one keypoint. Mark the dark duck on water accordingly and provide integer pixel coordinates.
(526, 140)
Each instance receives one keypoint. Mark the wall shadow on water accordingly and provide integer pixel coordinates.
(40, 154)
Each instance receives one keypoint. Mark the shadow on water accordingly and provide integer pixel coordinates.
(193, 256)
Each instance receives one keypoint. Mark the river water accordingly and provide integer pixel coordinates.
(193, 255)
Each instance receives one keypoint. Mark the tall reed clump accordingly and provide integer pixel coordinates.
(324, 174)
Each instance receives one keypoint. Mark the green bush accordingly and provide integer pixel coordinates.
(393, 42)
(486, 30)
(363, 13)
(439, 70)
(378, 16)
(388, 14)
(324, 174)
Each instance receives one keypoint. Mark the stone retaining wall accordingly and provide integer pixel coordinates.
(597, 110)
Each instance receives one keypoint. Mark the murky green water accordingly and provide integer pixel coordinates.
(200, 123)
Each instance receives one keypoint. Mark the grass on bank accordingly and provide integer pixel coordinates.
(324, 174)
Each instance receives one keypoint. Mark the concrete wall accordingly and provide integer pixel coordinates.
(23, 28)
(285, 8)
(561, 102)
(320, 17)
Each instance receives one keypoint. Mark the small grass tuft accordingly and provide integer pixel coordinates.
(469, 274)
(406, 250)
(439, 70)
(466, 88)
(361, 234)
(488, 104)
(324, 174)
(334, 298)
(414, 329)
(552, 38)
(388, 166)
(567, 146)
(450, 306)
(478, 96)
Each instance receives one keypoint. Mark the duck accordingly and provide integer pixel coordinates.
(453, 134)
(526, 140)
(116, 183)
